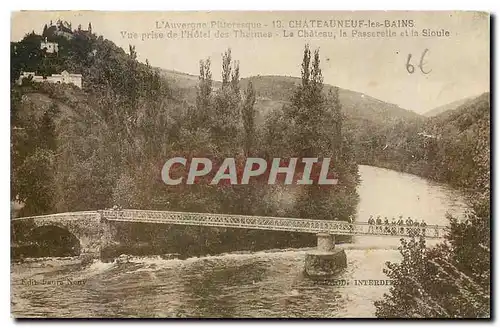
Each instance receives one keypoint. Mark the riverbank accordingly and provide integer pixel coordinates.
(420, 171)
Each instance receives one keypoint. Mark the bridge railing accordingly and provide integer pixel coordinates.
(271, 223)
(251, 222)
(59, 215)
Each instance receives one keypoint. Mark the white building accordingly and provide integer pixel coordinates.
(64, 77)
(52, 47)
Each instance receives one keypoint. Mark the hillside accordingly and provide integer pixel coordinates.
(452, 147)
(448, 107)
(468, 128)
(470, 114)
(355, 105)
(275, 91)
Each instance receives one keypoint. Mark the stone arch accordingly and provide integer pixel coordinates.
(86, 227)
(53, 240)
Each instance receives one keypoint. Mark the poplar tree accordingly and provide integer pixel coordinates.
(316, 131)
(235, 79)
(201, 116)
(248, 114)
(226, 115)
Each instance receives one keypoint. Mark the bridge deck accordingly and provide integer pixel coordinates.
(257, 222)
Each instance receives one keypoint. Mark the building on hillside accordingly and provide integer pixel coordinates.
(63, 28)
(64, 77)
(27, 75)
(50, 47)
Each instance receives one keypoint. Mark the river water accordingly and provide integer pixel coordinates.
(262, 284)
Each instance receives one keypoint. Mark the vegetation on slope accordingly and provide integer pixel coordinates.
(109, 141)
(453, 147)
(451, 280)
(447, 107)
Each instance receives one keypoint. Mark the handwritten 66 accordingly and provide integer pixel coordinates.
(411, 69)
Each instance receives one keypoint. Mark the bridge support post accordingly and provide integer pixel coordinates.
(326, 242)
(106, 241)
(326, 260)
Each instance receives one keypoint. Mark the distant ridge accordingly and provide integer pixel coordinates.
(449, 107)
(274, 91)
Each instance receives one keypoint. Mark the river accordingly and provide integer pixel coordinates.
(261, 284)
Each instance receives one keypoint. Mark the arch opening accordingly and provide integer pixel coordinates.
(53, 241)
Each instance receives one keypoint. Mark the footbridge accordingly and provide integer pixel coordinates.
(333, 227)
(93, 228)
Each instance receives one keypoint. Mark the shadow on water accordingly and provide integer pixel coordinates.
(48, 241)
(258, 285)
(210, 285)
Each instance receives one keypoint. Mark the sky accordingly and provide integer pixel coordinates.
(459, 64)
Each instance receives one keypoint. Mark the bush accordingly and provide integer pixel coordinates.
(451, 280)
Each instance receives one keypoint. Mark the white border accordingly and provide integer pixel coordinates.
(212, 5)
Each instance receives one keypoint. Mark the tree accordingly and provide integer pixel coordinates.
(133, 84)
(311, 126)
(235, 78)
(308, 110)
(451, 280)
(202, 114)
(249, 119)
(226, 68)
(33, 147)
(226, 118)
(336, 115)
(47, 129)
(35, 182)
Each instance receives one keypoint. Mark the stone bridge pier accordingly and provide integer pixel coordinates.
(326, 260)
(92, 231)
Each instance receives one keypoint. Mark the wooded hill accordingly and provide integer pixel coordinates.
(448, 107)
(275, 91)
(452, 147)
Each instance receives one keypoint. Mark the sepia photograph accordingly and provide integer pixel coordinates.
(250, 164)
